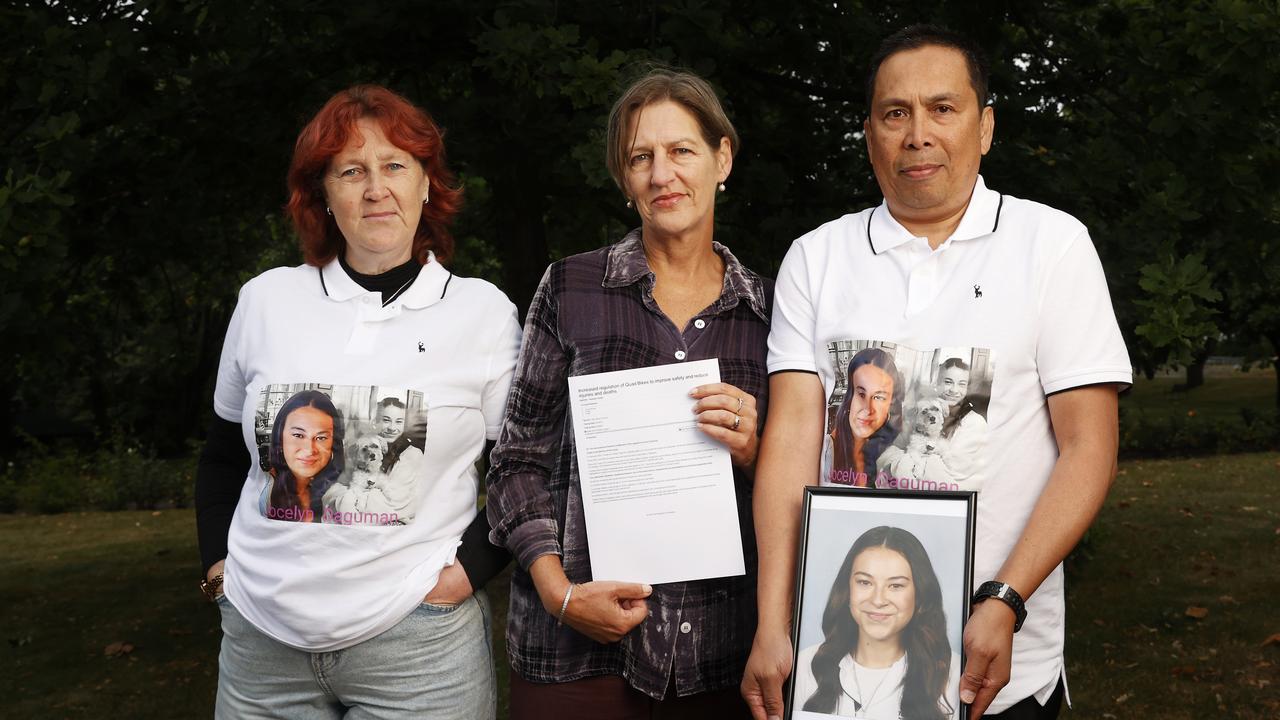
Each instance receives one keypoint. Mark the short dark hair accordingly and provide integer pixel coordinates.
(390, 402)
(914, 37)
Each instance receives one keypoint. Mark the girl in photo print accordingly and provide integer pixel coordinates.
(885, 653)
(306, 456)
(868, 419)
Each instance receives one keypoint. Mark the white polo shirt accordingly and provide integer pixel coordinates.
(1019, 294)
(447, 348)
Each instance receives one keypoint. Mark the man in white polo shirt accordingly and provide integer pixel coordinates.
(951, 338)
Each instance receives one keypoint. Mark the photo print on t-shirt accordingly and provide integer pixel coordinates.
(907, 419)
(341, 454)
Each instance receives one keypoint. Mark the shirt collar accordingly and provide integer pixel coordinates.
(428, 289)
(982, 217)
(626, 264)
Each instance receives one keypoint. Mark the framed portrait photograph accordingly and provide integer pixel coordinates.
(882, 595)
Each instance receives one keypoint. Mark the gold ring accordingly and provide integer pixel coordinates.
(739, 406)
(737, 420)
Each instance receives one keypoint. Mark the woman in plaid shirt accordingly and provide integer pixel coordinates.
(664, 293)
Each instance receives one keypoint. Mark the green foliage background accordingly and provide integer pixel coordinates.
(145, 147)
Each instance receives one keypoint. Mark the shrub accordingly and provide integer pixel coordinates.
(1146, 435)
(117, 475)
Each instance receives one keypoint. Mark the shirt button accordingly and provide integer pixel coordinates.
(685, 627)
(679, 354)
(699, 323)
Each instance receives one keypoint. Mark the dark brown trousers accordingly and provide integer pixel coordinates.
(609, 697)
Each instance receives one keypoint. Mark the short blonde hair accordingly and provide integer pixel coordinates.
(683, 88)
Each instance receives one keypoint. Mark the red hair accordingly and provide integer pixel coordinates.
(409, 128)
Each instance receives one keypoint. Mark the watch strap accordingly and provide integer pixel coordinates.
(1005, 593)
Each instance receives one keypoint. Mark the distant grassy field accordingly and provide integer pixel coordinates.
(102, 617)
(1176, 540)
(1224, 394)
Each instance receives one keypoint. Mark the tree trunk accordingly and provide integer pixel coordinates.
(1195, 371)
(1195, 374)
(8, 434)
(1274, 339)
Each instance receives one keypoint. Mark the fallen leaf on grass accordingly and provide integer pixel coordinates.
(1273, 640)
(116, 649)
(1122, 699)
(1226, 600)
(1198, 613)
(1249, 508)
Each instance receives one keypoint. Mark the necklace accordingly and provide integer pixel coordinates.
(866, 700)
(862, 703)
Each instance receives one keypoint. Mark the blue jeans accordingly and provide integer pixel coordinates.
(435, 663)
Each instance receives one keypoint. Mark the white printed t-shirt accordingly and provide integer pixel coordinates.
(372, 541)
(1018, 295)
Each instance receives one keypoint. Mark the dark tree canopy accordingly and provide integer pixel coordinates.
(147, 142)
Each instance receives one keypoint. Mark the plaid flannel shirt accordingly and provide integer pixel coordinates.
(593, 313)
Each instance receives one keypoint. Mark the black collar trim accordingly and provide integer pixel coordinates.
(994, 226)
(869, 216)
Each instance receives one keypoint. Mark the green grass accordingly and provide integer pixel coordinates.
(1175, 534)
(72, 585)
(1224, 394)
(1199, 533)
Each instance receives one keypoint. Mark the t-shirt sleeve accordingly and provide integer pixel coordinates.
(1080, 342)
(792, 328)
(229, 391)
(502, 364)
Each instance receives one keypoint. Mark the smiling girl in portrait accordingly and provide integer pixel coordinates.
(885, 654)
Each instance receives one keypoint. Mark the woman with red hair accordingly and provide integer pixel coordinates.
(370, 608)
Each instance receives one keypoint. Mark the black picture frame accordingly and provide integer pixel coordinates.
(835, 520)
